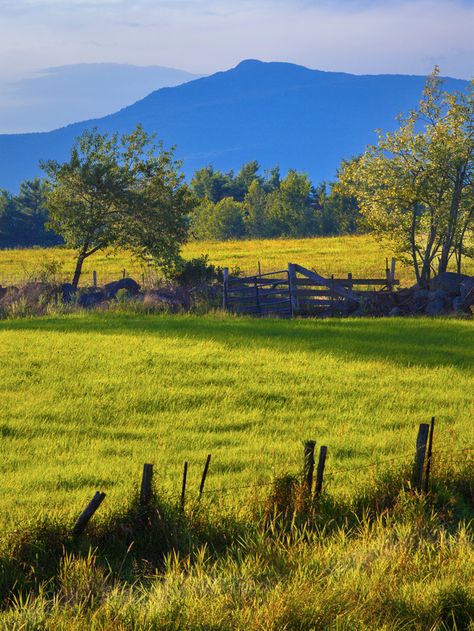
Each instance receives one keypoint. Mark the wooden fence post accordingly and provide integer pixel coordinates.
(88, 512)
(392, 272)
(204, 475)
(292, 288)
(145, 490)
(124, 273)
(94, 278)
(323, 450)
(183, 487)
(308, 465)
(257, 297)
(225, 284)
(421, 442)
(428, 456)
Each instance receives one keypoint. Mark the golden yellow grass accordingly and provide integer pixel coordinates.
(361, 255)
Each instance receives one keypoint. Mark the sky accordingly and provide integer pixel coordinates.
(203, 36)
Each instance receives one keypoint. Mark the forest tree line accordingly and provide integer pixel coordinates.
(246, 204)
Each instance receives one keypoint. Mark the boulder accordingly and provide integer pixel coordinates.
(449, 282)
(173, 299)
(68, 292)
(458, 305)
(9, 296)
(90, 298)
(420, 294)
(128, 284)
(467, 291)
(437, 294)
(33, 293)
(435, 307)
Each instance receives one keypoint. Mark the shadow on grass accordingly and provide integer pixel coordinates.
(410, 341)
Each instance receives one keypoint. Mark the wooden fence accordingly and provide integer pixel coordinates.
(312, 477)
(298, 290)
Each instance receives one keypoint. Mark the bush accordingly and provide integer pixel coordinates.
(197, 271)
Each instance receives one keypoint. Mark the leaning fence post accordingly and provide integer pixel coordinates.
(428, 455)
(225, 284)
(421, 442)
(145, 490)
(323, 450)
(204, 475)
(183, 487)
(88, 512)
(309, 465)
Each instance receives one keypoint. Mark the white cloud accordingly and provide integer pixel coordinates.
(362, 36)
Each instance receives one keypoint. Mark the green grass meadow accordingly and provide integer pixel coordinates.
(88, 398)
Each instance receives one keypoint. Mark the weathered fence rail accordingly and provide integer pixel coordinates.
(298, 290)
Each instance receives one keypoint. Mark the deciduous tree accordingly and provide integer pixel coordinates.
(415, 188)
(121, 192)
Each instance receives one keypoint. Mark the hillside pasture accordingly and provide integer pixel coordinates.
(362, 255)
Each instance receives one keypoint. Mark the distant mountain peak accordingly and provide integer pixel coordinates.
(274, 112)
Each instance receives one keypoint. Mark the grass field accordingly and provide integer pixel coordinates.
(361, 255)
(88, 398)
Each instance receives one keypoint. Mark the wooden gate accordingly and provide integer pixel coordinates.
(300, 291)
(260, 295)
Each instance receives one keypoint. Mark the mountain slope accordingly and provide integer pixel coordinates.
(276, 113)
(65, 94)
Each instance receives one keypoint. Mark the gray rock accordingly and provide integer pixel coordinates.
(89, 299)
(130, 286)
(437, 295)
(395, 312)
(435, 307)
(467, 291)
(68, 292)
(421, 294)
(458, 305)
(450, 282)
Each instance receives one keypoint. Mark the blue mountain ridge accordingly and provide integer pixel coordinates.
(277, 113)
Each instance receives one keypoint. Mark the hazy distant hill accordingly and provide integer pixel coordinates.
(66, 94)
(276, 113)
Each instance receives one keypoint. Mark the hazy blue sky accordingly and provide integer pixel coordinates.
(361, 36)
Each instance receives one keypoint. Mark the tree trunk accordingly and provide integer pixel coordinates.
(77, 272)
(452, 223)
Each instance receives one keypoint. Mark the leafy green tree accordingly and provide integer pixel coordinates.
(415, 188)
(213, 185)
(289, 210)
(202, 220)
(244, 179)
(272, 180)
(119, 192)
(340, 212)
(255, 203)
(219, 222)
(30, 204)
(7, 219)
